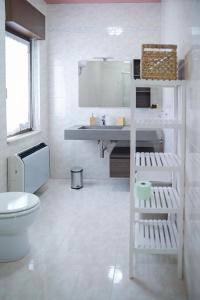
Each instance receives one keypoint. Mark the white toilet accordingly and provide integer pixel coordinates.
(17, 213)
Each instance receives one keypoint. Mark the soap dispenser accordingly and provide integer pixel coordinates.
(93, 120)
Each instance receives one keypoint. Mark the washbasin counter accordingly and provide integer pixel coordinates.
(112, 133)
(97, 132)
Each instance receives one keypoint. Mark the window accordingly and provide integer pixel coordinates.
(18, 85)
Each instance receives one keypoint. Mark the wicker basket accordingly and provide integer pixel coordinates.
(159, 62)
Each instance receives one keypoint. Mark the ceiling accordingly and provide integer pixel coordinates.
(100, 1)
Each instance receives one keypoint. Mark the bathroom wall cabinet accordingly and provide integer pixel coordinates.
(154, 236)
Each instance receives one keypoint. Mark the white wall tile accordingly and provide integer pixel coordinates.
(79, 32)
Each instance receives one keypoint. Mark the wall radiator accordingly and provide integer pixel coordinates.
(28, 170)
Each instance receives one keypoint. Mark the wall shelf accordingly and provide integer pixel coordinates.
(157, 123)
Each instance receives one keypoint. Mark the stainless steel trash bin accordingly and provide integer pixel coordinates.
(76, 178)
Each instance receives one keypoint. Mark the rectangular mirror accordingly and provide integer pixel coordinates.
(104, 83)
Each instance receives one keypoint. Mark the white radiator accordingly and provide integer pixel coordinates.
(28, 170)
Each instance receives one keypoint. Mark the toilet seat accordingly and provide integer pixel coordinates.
(17, 203)
(19, 214)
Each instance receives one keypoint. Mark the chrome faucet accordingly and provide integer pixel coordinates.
(103, 119)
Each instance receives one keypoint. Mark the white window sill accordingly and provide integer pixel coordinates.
(22, 136)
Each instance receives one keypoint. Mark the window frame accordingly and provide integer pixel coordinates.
(28, 42)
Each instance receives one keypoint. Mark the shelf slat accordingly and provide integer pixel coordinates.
(158, 161)
(162, 200)
(156, 237)
(157, 123)
(159, 83)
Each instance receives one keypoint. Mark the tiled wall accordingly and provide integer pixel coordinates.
(5, 148)
(182, 26)
(79, 32)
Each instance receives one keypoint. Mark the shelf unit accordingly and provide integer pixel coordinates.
(154, 236)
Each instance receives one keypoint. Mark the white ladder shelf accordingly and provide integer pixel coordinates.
(159, 236)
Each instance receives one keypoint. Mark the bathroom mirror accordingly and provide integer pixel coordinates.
(104, 83)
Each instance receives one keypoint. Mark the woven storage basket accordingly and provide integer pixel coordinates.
(159, 62)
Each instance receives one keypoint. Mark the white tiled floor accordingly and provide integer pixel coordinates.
(79, 251)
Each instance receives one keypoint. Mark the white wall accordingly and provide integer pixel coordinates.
(182, 26)
(5, 148)
(79, 32)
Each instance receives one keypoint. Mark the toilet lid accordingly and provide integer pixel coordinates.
(17, 202)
